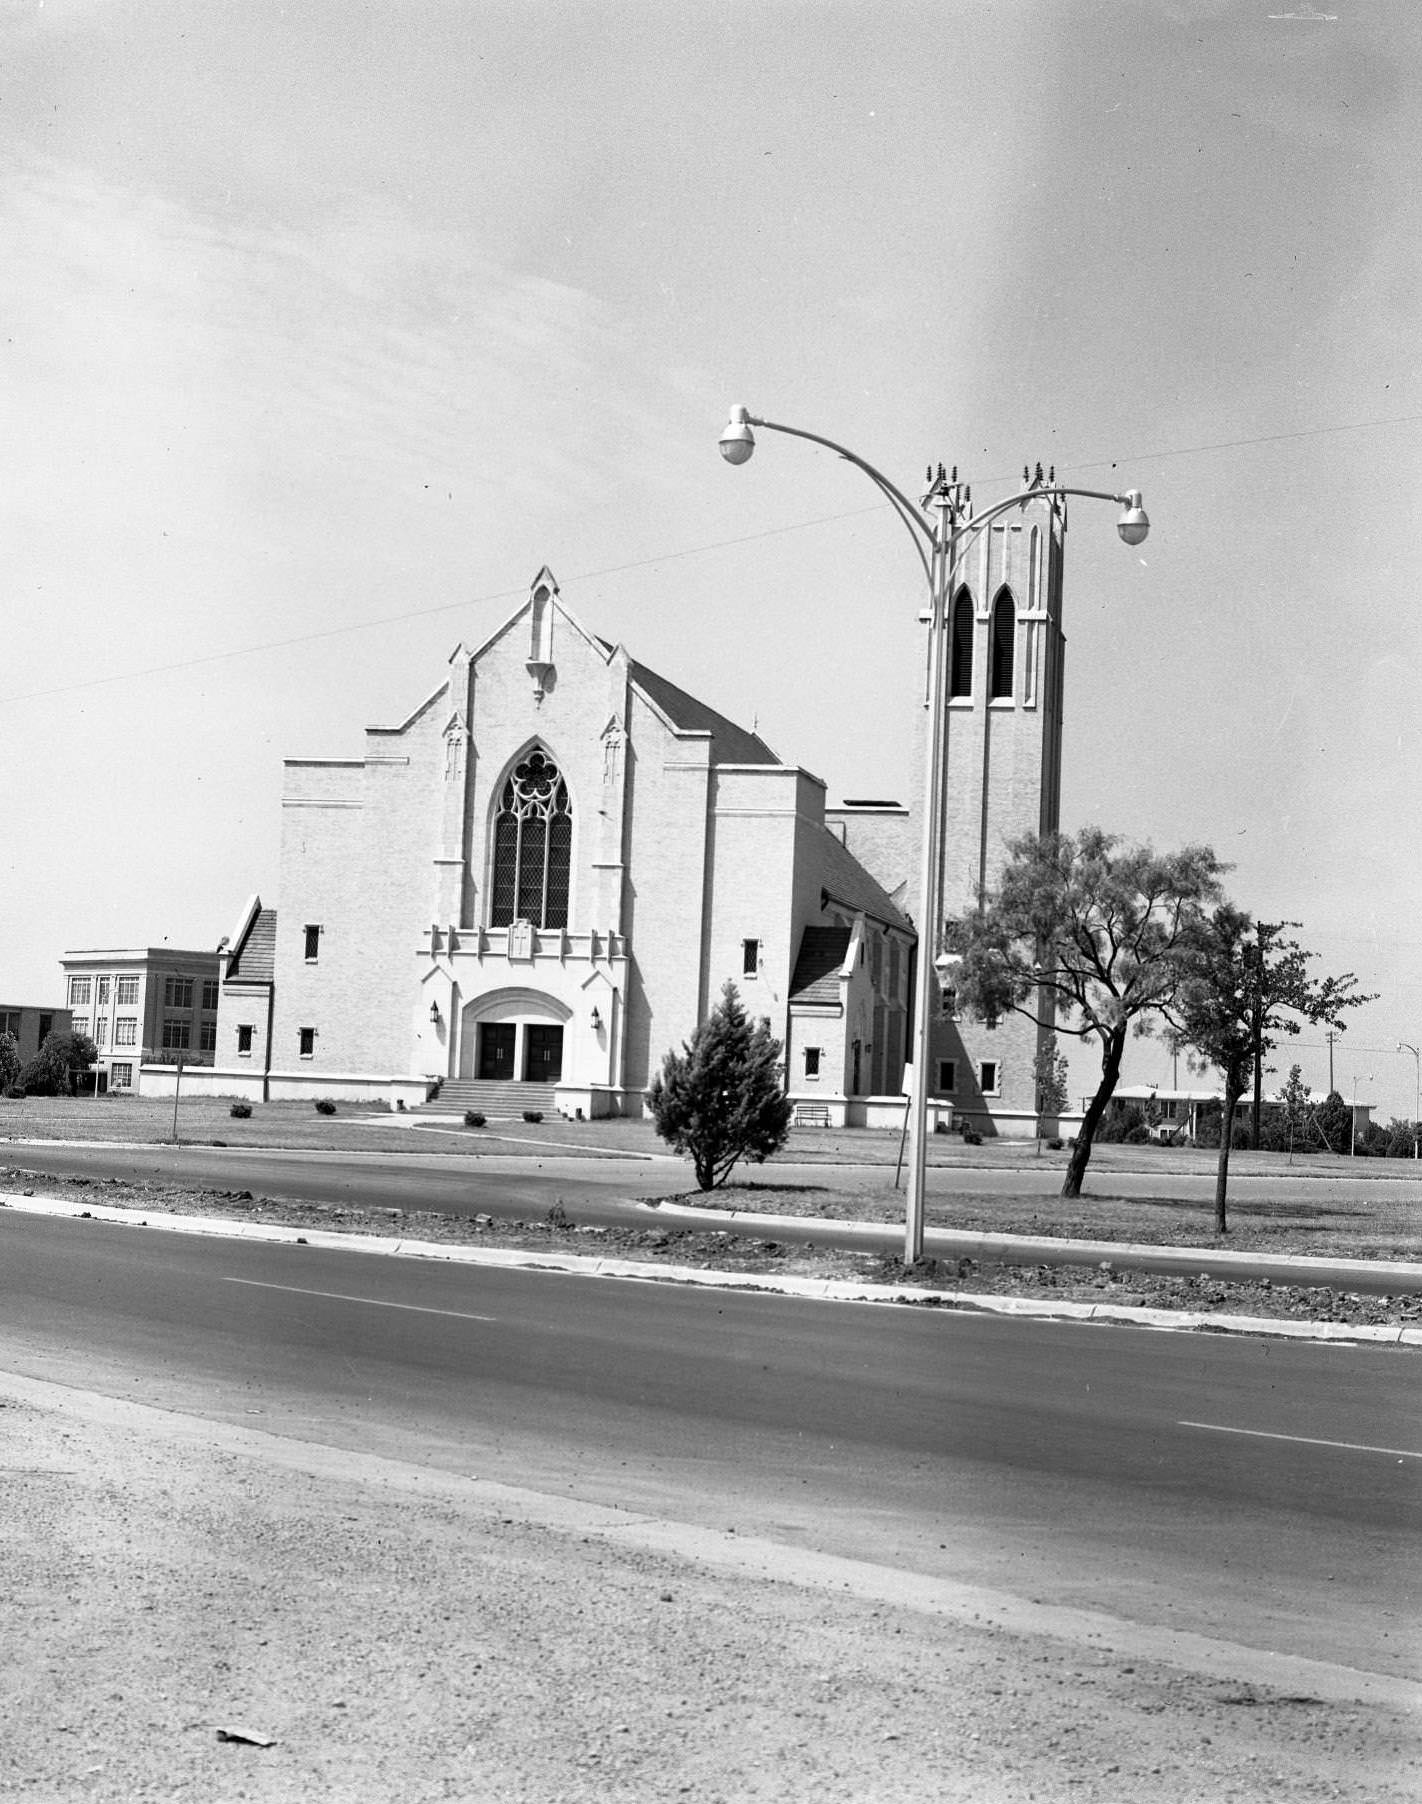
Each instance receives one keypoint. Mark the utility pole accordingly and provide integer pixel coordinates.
(1331, 1037)
(1257, 1037)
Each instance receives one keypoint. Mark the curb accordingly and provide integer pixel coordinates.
(1383, 1277)
(842, 1290)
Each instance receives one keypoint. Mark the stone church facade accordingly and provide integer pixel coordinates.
(541, 879)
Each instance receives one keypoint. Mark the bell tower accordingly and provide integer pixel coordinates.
(1002, 748)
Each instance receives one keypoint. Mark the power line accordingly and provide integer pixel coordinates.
(665, 557)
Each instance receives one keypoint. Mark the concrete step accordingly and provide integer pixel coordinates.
(458, 1094)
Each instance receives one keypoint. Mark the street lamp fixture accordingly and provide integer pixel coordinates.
(1404, 1046)
(942, 528)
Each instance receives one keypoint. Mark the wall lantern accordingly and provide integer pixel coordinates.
(595, 1018)
(434, 1014)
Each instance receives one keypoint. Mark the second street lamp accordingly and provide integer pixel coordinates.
(942, 530)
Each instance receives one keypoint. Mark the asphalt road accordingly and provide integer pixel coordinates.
(522, 1188)
(1251, 1490)
(525, 1185)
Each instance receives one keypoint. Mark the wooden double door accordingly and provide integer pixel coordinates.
(499, 1052)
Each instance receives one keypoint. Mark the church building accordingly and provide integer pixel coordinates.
(529, 890)
(536, 884)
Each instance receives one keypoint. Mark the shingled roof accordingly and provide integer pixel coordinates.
(823, 951)
(733, 744)
(254, 958)
(848, 883)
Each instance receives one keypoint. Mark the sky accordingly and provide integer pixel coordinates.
(327, 325)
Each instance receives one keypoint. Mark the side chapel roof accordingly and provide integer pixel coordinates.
(734, 745)
(823, 951)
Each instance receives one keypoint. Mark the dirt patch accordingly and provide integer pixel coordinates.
(711, 1249)
(201, 1620)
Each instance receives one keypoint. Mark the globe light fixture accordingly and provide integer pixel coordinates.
(1133, 525)
(737, 441)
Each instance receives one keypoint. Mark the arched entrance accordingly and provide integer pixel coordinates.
(513, 1036)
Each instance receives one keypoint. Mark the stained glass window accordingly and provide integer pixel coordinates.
(533, 846)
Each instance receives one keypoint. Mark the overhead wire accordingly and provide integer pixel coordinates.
(227, 653)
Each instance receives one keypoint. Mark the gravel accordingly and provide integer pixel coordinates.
(185, 1593)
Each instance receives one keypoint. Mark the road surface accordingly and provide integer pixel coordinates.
(1255, 1491)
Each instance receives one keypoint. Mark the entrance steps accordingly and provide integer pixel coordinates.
(490, 1097)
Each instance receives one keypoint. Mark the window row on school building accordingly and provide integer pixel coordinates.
(147, 1006)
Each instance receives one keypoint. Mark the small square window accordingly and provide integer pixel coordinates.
(121, 1076)
(313, 944)
(989, 1077)
(750, 958)
(79, 990)
(126, 1031)
(244, 1042)
(176, 1034)
(947, 1076)
(125, 991)
(812, 1061)
(308, 1042)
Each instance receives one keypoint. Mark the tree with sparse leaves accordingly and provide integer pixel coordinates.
(1049, 1076)
(720, 1099)
(1246, 987)
(1295, 1107)
(1084, 936)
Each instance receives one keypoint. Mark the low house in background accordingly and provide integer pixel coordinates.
(30, 1026)
(1179, 1111)
(146, 1007)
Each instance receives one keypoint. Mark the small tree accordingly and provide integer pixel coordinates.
(56, 1068)
(1213, 1018)
(9, 1063)
(1295, 1107)
(1245, 988)
(1084, 936)
(720, 1099)
(1049, 1075)
(1334, 1122)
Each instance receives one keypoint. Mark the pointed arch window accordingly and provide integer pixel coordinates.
(533, 846)
(960, 646)
(1004, 637)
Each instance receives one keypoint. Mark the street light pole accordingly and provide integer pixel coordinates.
(1403, 1046)
(941, 538)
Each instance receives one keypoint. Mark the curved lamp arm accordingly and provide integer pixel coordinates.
(738, 442)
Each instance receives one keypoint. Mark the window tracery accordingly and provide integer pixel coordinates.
(533, 843)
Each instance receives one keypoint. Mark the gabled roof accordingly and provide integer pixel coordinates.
(252, 957)
(732, 744)
(823, 951)
(847, 882)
